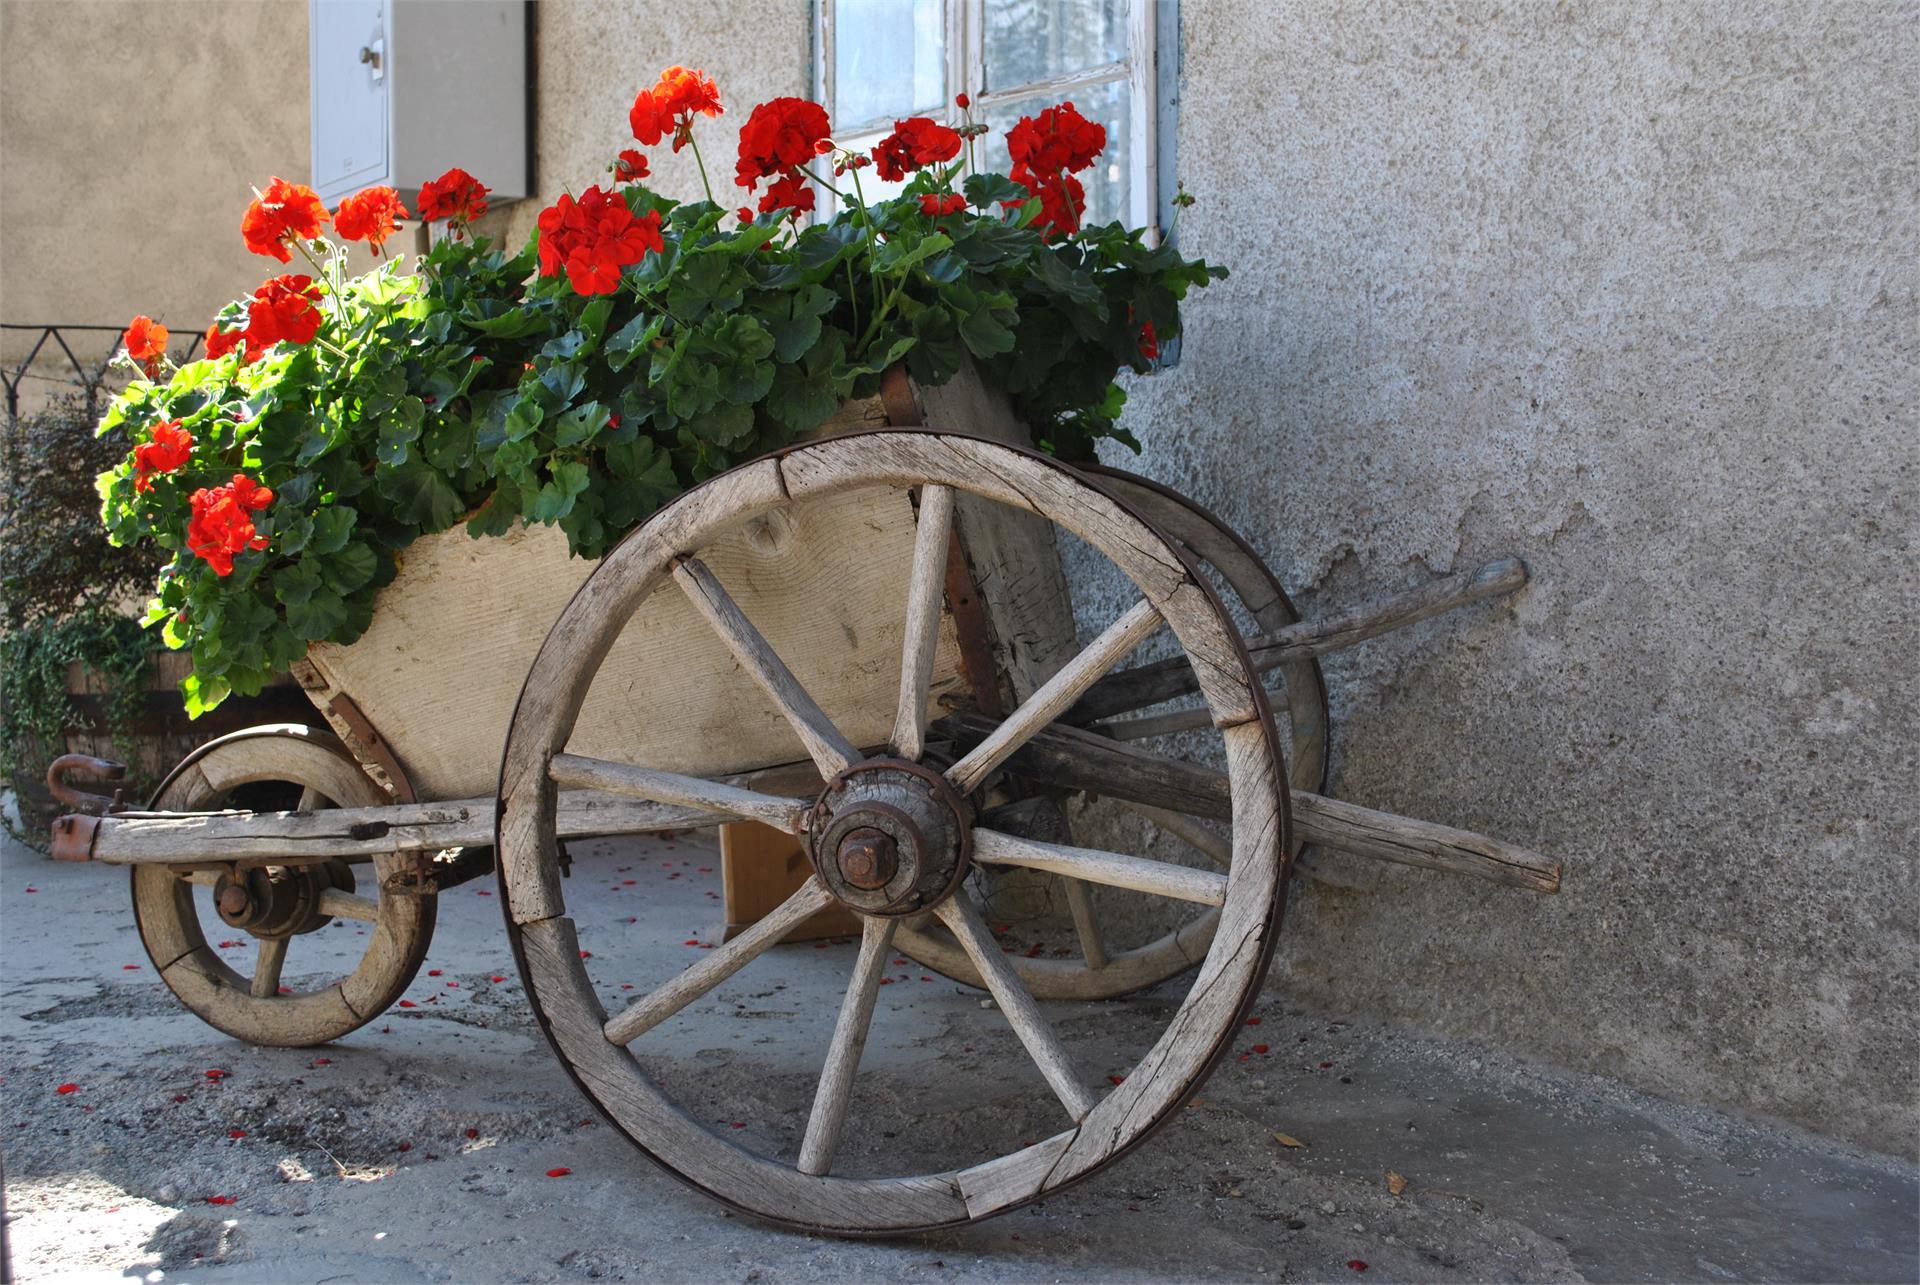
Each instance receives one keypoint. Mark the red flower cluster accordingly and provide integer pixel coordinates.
(221, 342)
(370, 216)
(1047, 150)
(630, 166)
(670, 106)
(146, 341)
(779, 138)
(282, 308)
(170, 448)
(593, 238)
(914, 143)
(934, 205)
(284, 212)
(456, 196)
(222, 526)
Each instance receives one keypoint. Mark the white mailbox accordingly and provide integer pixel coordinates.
(403, 90)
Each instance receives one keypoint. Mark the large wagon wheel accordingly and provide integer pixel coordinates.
(1098, 972)
(277, 767)
(890, 836)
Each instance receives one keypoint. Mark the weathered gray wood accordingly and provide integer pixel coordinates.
(1086, 923)
(1082, 760)
(728, 802)
(1055, 695)
(169, 921)
(1163, 680)
(825, 745)
(1018, 1006)
(1114, 869)
(346, 905)
(925, 593)
(835, 1089)
(657, 1006)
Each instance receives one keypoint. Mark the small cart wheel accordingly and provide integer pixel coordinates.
(267, 907)
(890, 836)
(1257, 591)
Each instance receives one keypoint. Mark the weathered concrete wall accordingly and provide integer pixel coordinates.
(131, 134)
(1628, 289)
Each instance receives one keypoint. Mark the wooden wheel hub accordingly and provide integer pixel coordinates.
(889, 837)
(279, 901)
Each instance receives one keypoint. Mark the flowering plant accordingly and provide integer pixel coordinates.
(635, 346)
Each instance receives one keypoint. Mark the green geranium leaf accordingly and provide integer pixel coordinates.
(556, 498)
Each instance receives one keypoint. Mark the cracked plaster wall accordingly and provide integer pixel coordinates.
(1629, 290)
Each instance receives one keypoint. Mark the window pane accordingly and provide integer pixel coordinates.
(1107, 183)
(1029, 40)
(888, 59)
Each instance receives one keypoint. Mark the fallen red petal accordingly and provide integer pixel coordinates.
(499, 979)
(1356, 1265)
(68, 1088)
(406, 1003)
(433, 972)
(236, 1133)
(473, 1133)
(219, 1200)
(559, 1173)
(216, 1074)
(1259, 1048)
(129, 968)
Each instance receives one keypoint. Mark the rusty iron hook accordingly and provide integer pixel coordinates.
(72, 796)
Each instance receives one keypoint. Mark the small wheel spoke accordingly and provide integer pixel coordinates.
(925, 595)
(266, 967)
(1022, 1012)
(1161, 878)
(1055, 696)
(1217, 848)
(1086, 926)
(843, 1054)
(827, 747)
(657, 1006)
(726, 801)
(345, 905)
(310, 800)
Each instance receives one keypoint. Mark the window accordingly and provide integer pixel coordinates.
(878, 60)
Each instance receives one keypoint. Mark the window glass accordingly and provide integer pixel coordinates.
(1029, 40)
(1107, 181)
(888, 59)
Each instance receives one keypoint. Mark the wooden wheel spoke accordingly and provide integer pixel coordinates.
(658, 1005)
(1115, 869)
(925, 593)
(843, 1054)
(345, 905)
(729, 802)
(827, 747)
(266, 967)
(1217, 848)
(1022, 1012)
(1055, 695)
(1086, 925)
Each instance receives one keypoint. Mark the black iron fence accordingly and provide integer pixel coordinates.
(55, 346)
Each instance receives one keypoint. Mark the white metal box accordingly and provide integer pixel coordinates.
(403, 90)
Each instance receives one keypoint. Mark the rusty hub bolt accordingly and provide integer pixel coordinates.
(234, 902)
(868, 859)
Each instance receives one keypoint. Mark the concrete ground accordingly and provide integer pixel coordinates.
(418, 1148)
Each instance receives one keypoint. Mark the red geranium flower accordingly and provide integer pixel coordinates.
(282, 308)
(146, 341)
(779, 138)
(630, 166)
(169, 449)
(1062, 200)
(914, 143)
(456, 196)
(370, 216)
(934, 205)
(670, 106)
(221, 342)
(1150, 349)
(593, 238)
(284, 212)
(1058, 139)
(789, 193)
(222, 526)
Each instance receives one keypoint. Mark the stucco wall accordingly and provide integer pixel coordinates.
(1630, 290)
(131, 134)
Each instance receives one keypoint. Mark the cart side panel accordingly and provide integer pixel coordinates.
(452, 638)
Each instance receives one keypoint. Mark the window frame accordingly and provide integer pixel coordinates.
(964, 34)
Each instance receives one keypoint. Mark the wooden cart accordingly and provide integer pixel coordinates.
(865, 641)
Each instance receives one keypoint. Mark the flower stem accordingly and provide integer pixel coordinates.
(695, 144)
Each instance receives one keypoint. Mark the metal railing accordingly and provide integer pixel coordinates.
(90, 378)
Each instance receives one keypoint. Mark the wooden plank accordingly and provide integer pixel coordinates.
(719, 799)
(760, 867)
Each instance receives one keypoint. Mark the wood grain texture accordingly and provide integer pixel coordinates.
(169, 923)
(663, 1002)
(717, 798)
(925, 591)
(1114, 869)
(835, 1090)
(1017, 1005)
(1086, 924)
(1055, 695)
